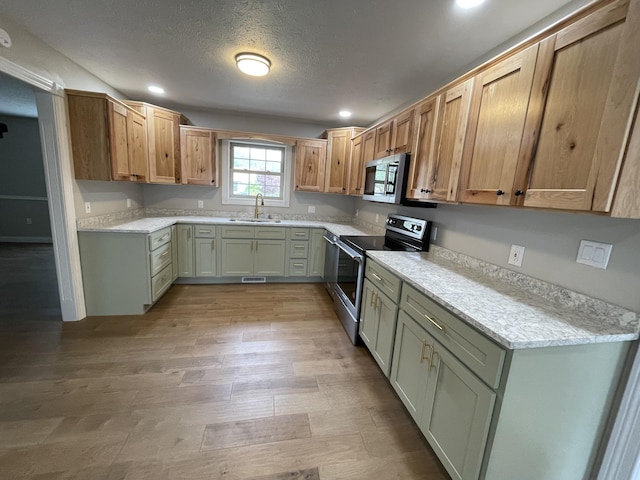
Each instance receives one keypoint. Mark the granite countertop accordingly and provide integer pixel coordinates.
(153, 224)
(514, 310)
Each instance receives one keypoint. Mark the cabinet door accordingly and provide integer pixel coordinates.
(356, 167)
(409, 374)
(137, 144)
(270, 257)
(338, 153)
(311, 157)
(368, 149)
(368, 316)
(457, 414)
(185, 251)
(316, 255)
(383, 140)
(402, 136)
(164, 147)
(118, 142)
(206, 257)
(387, 312)
(237, 257)
(454, 116)
(591, 70)
(496, 128)
(174, 251)
(198, 155)
(419, 184)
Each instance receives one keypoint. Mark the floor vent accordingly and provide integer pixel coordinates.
(254, 279)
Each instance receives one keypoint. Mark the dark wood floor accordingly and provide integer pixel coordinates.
(215, 382)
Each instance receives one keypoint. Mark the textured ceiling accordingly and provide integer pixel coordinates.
(16, 98)
(369, 56)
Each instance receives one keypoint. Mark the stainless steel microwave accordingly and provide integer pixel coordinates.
(384, 179)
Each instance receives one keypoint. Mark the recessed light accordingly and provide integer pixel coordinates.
(345, 113)
(253, 64)
(155, 89)
(468, 3)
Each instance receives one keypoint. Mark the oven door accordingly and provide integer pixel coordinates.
(349, 288)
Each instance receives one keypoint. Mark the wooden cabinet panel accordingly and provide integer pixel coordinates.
(368, 148)
(496, 128)
(454, 116)
(311, 157)
(338, 155)
(402, 135)
(627, 200)
(119, 148)
(356, 167)
(422, 165)
(586, 114)
(383, 140)
(137, 143)
(198, 156)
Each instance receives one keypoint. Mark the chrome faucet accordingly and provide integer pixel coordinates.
(256, 212)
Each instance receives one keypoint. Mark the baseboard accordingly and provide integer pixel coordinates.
(26, 240)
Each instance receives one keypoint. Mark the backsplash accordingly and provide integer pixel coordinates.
(179, 212)
(109, 218)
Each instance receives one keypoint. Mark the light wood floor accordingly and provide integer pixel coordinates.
(229, 382)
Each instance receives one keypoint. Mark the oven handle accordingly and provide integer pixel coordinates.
(356, 258)
(329, 240)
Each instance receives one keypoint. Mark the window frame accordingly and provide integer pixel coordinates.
(227, 188)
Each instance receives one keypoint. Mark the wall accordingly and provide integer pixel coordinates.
(22, 176)
(551, 240)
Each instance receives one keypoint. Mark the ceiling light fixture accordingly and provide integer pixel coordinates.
(155, 89)
(253, 64)
(468, 3)
(345, 113)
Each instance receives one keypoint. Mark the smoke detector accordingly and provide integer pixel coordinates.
(5, 39)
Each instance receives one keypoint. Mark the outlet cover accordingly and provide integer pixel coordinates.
(200, 203)
(516, 255)
(594, 254)
(128, 203)
(311, 209)
(434, 234)
(29, 221)
(87, 207)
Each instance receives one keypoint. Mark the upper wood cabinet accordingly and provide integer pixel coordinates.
(198, 152)
(339, 157)
(590, 71)
(395, 136)
(494, 136)
(108, 138)
(356, 167)
(163, 133)
(311, 157)
(627, 199)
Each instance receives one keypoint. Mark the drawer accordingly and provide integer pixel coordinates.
(476, 351)
(386, 281)
(272, 233)
(298, 249)
(298, 268)
(160, 258)
(205, 231)
(237, 232)
(159, 238)
(299, 233)
(161, 282)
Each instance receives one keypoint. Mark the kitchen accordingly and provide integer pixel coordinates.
(551, 239)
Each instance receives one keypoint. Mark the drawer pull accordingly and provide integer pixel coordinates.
(298, 264)
(439, 327)
(425, 345)
(298, 246)
(301, 234)
(377, 277)
(205, 231)
(164, 254)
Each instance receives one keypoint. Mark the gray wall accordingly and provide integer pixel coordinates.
(22, 176)
(551, 240)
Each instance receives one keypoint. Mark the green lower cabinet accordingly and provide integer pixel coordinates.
(270, 258)
(457, 413)
(206, 265)
(185, 251)
(378, 325)
(316, 254)
(236, 257)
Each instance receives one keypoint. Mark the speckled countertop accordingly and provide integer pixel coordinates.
(514, 310)
(153, 224)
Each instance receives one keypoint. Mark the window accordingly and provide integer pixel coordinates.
(255, 167)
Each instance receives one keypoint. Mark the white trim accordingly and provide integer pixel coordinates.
(621, 459)
(23, 198)
(21, 73)
(26, 240)
(56, 153)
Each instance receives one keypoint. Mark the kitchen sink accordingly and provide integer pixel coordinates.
(255, 220)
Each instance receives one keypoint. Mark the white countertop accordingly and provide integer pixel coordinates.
(514, 314)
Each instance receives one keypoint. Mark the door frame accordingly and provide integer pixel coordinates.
(56, 156)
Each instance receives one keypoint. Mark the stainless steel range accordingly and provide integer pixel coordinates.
(347, 256)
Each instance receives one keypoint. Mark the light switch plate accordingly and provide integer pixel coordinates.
(516, 255)
(594, 254)
(87, 207)
(200, 203)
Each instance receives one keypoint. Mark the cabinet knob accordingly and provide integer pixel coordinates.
(518, 193)
(500, 192)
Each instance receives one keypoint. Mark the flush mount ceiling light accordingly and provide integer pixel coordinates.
(253, 64)
(468, 3)
(345, 113)
(155, 89)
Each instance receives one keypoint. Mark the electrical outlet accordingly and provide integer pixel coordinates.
(516, 255)
(311, 209)
(200, 203)
(128, 203)
(87, 207)
(357, 212)
(594, 254)
(434, 234)
(377, 217)
(28, 221)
